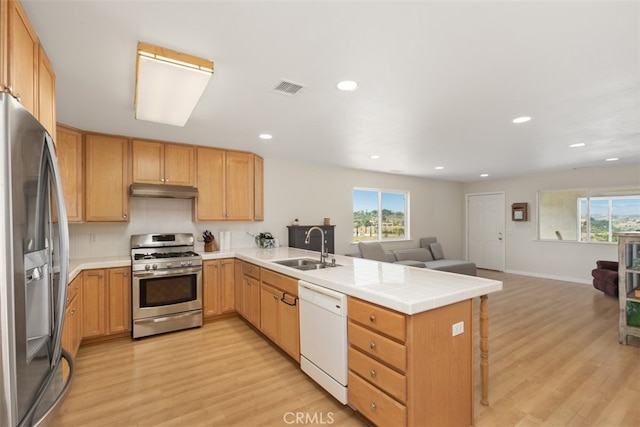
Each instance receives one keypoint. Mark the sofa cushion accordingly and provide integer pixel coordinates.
(436, 250)
(415, 254)
(426, 241)
(605, 275)
(453, 266)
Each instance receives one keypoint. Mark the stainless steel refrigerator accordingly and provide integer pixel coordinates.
(34, 271)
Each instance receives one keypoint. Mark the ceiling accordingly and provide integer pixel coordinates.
(439, 82)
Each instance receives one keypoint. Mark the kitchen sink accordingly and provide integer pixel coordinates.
(304, 264)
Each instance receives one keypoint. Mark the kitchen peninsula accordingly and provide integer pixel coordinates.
(432, 378)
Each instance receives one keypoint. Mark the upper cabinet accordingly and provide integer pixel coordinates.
(46, 93)
(25, 70)
(226, 183)
(106, 178)
(161, 163)
(70, 151)
(258, 189)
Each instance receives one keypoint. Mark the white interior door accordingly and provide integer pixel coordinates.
(485, 230)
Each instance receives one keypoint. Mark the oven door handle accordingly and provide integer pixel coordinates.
(173, 272)
(167, 318)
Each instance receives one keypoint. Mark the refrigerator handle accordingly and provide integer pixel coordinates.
(63, 235)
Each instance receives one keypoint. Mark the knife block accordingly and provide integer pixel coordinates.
(211, 246)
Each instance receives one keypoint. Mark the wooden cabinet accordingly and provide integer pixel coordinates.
(106, 302)
(251, 293)
(70, 152)
(218, 287)
(238, 279)
(22, 58)
(106, 178)
(226, 184)
(258, 188)
(46, 94)
(72, 332)
(628, 285)
(163, 163)
(279, 311)
(411, 370)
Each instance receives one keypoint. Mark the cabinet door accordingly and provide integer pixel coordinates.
(119, 295)
(179, 165)
(227, 286)
(210, 203)
(22, 57)
(239, 185)
(289, 325)
(210, 289)
(148, 162)
(269, 302)
(93, 303)
(46, 93)
(107, 178)
(237, 266)
(70, 151)
(254, 312)
(258, 190)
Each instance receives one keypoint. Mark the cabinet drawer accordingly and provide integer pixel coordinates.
(374, 404)
(378, 374)
(285, 283)
(377, 346)
(381, 319)
(251, 270)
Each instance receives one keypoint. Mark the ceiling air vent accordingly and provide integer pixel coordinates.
(287, 88)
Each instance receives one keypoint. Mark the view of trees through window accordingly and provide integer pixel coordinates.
(588, 215)
(379, 215)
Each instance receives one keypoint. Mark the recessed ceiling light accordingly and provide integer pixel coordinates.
(484, 175)
(347, 85)
(265, 136)
(438, 168)
(611, 159)
(578, 144)
(374, 156)
(522, 119)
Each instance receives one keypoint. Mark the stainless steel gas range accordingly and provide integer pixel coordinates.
(166, 283)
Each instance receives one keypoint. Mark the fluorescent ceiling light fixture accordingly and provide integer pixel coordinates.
(265, 136)
(523, 119)
(612, 159)
(484, 175)
(347, 85)
(375, 156)
(577, 144)
(439, 168)
(169, 84)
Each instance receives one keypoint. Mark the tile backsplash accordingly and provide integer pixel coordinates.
(150, 215)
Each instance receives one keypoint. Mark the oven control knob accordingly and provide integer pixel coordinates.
(168, 265)
(147, 267)
(189, 262)
(154, 266)
(182, 263)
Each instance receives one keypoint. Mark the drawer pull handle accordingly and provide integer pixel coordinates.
(372, 318)
(372, 346)
(372, 373)
(372, 406)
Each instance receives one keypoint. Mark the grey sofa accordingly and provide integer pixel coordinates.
(428, 255)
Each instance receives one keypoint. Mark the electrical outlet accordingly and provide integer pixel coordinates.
(457, 329)
(93, 238)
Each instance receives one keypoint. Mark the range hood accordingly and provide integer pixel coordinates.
(166, 191)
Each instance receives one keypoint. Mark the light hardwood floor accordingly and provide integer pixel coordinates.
(554, 360)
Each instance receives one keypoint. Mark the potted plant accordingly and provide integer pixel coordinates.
(264, 240)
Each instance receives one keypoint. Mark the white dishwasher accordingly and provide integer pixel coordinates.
(323, 337)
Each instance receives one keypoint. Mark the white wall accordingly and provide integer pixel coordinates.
(305, 191)
(562, 260)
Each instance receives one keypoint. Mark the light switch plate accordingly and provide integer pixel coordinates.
(457, 329)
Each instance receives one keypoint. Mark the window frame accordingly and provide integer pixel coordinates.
(380, 208)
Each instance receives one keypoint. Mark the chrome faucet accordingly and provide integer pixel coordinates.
(323, 255)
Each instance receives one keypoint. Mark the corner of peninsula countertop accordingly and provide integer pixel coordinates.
(409, 290)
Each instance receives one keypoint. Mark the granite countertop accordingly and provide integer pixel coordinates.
(408, 290)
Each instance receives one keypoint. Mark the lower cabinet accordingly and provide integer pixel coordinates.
(72, 330)
(279, 311)
(250, 293)
(106, 302)
(411, 370)
(218, 287)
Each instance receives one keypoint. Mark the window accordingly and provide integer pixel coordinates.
(588, 215)
(380, 215)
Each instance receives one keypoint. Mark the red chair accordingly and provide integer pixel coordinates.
(605, 277)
